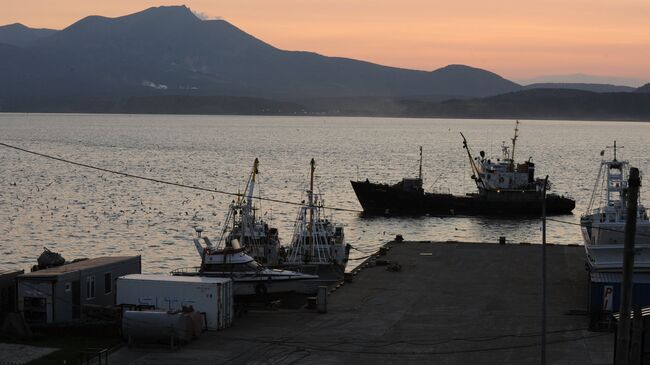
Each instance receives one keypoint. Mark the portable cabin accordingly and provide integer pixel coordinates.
(57, 294)
(8, 292)
(208, 295)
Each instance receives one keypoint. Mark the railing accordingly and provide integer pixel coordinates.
(88, 356)
(186, 270)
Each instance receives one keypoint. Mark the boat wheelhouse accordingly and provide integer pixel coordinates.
(316, 240)
(603, 224)
(242, 223)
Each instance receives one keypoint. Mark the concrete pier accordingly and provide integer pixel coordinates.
(451, 303)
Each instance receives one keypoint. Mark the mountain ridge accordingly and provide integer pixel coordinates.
(171, 46)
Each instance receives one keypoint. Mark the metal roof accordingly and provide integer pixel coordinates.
(78, 266)
(617, 277)
(4, 272)
(174, 278)
(645, 311)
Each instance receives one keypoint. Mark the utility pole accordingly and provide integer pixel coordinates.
(623, 335)
(543, 355)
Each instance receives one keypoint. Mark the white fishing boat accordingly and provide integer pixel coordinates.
(603, 225)
(254, 234)
(317, 242)
(250, 278)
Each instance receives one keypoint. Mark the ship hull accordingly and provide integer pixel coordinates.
(389, 200)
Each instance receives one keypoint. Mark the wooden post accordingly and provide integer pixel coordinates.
(322, 299)
(623, 335)
(543, 354)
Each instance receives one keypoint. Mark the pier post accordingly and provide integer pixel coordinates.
(623, 335)
(321, 306)
(543, 354)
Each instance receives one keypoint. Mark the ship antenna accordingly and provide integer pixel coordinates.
(420, 163)
(514, 141)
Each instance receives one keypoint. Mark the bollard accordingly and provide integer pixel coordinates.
(322, 299)
(502, 240)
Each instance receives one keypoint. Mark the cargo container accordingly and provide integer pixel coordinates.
(212, 296)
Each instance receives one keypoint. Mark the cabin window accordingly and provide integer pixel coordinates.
(67, 287)
(108, 283)
(90, 287)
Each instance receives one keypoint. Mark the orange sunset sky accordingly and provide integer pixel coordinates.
(516, 39)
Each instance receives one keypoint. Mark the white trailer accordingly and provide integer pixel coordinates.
(213, 296)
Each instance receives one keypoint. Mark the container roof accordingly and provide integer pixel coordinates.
(78, 266)
(617, 277)
(174, 278)
(4, 272)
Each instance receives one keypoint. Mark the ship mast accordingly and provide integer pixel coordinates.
(420, 175)
(615, 148)
(514, 141)
(248, 207)
(475, 173)
(310, 226)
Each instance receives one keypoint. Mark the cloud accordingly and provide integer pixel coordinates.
(154, 85)
(204, 16)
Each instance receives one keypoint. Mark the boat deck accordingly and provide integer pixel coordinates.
(451, 303)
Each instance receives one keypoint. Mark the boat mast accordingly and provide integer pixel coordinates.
(514, 141)
(420, 175)
(477, 177)
(614, 147)
(248, 207)
(310, 226)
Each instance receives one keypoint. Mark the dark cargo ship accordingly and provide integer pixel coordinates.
(504, 189)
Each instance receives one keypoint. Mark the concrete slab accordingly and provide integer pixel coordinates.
(21, 354)
(463, 304)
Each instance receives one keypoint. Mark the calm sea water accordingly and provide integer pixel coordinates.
(85, 213)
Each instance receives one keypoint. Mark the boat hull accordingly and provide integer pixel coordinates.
(386, 199)
(264, 288)
(604, 244)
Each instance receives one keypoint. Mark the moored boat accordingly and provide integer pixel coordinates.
(251, 279)
(242, 222)
(504, 188)
(603, 224)
(317, 245)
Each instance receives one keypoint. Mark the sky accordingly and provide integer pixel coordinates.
(524, 41)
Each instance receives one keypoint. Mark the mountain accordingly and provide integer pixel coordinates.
(578, 78)
(644, 89)
(169, 51)
(19, 35)
(598, 88)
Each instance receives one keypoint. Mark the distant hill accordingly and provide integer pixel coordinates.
(598, 88)
(541, 104)
(644, 89)
(19, 35)
(168, 50)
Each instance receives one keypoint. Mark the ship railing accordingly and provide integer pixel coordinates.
(186, 270)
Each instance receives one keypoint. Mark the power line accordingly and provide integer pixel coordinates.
(217, 191)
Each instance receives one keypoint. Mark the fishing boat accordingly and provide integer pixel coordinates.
(253, 233)
(603, 224)
(504, 188)
(317, 244)
(252, 281)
